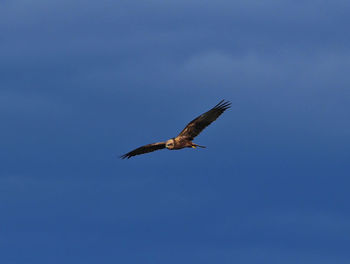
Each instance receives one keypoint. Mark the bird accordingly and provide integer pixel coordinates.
(184, 139)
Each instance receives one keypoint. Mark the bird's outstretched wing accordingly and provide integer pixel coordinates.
(144, 149)
(198, 124)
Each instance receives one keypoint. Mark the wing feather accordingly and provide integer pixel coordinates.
(144, 149)
(197, 125)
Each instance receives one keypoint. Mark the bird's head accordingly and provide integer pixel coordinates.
(169, 144)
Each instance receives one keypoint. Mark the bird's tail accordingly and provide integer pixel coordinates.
(196, 145)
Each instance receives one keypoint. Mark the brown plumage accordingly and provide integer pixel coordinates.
(184, 139)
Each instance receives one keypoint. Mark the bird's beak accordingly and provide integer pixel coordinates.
(194, 147)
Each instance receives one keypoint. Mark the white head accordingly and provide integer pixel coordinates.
(170, 144)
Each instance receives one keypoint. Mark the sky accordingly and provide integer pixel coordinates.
(83, 82)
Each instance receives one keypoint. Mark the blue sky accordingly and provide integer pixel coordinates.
(83, 82)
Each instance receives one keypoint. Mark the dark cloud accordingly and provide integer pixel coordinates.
(84, 82)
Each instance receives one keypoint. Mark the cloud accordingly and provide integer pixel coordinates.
(31, 104)
(113, 29)
(250, 68)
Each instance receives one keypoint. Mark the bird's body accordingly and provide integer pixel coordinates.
(184, 139)
(177, 143)
(180, 143)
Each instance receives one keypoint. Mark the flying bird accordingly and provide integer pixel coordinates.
(184, 139)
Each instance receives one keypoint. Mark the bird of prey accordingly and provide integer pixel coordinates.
(184, 139)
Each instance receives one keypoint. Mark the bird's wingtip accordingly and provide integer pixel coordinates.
(123, 156)
(223, 104)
